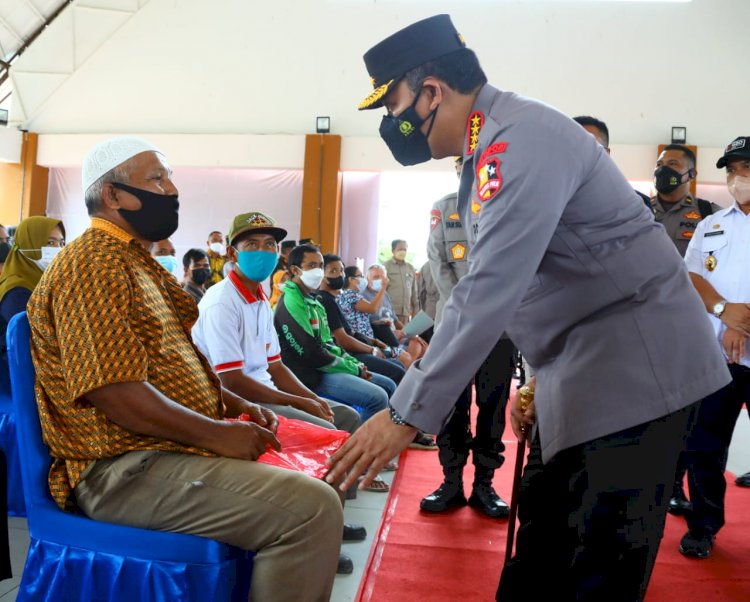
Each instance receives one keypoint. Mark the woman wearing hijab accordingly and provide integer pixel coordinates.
(37, 240)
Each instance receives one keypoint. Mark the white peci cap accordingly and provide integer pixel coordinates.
(109, 154)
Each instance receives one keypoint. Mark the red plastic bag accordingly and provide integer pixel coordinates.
(304, 447)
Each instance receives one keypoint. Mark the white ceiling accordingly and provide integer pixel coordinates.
(260, 67)
(19, 19)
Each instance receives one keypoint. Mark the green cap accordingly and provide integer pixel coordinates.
(255, 221)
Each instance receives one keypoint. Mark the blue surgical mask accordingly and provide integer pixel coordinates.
(362, 285)
(257, 265)
(168, 262)
(376, 285)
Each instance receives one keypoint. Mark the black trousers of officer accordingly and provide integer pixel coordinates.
(708, 447)
(492, 384)
(592, 517)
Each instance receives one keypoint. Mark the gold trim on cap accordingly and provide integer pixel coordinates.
(375, 96)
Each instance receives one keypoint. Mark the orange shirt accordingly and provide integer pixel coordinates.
(105, 312)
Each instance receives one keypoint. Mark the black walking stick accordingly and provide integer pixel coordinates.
(526, 395)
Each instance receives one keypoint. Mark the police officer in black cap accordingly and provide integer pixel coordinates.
(569, 262)
(718, 258)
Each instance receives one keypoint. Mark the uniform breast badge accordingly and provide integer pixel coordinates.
(711, 262)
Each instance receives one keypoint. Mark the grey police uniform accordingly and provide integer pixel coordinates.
(681, 219)
(429, 295)
(447, 248)
(569, 262)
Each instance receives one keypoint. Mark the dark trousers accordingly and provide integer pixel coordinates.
(708, 447)
(679, 476)
(592, 518)
(492, 384)
(5, 571)
(393, 369)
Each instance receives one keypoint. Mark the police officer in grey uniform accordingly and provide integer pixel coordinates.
(673, 206)
(679, 212)
(447, 250)
(568, 261)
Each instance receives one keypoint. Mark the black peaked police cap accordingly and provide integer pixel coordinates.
(420, 42)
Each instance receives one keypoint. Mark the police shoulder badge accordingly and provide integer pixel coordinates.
(435, 218)
(488, 178)
(473, 127)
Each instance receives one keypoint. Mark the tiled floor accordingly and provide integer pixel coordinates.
(366, 510)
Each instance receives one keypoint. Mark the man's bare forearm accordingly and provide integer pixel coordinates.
(247, 387)
(707, 292)
(141, 408)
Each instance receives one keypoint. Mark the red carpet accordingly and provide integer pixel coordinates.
(458, 555)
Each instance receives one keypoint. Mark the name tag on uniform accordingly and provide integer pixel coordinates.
(717, 233)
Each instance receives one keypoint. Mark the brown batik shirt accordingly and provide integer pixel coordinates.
(105, 312)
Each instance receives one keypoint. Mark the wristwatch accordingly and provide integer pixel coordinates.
(374, 350)
(396, 418)
(719, 308)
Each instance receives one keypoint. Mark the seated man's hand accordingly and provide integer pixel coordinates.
(317, 407)
(364, 372)
(244, 440)
(262, 416)
(326, 407)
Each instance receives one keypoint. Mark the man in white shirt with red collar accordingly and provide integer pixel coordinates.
(235, 331)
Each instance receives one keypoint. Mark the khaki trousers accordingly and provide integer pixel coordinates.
(292, 521)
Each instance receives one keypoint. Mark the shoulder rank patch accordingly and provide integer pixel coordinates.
(688, 235)
(692, 215)
(454, 217)
(489, 179)
(458, 251)
(435, 218)
(473, 127)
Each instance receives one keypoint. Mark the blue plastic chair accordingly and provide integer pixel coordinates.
(74, 558)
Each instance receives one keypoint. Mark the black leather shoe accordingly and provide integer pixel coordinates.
(354, 532)
(743, 480)
(346, 566)
(448, 495)
(486, 499)
(697, 544)
(679, 506)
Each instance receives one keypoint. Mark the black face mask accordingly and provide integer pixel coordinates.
(667, 180)
(403, 136)
(4, 250)
(200, 275)
(157, 218)
(336, 283)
